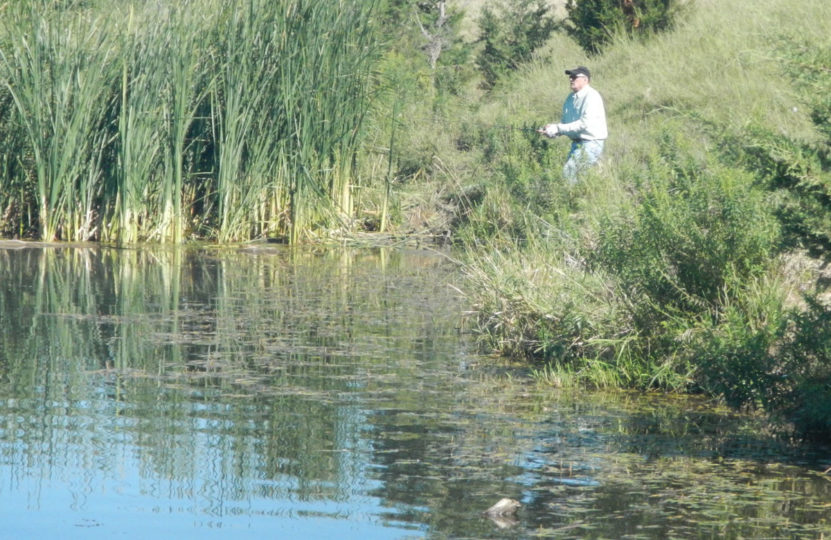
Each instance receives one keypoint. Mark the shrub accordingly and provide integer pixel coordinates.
(699, 232)
(735, 353)
(510, 35)
(806, 368)
(798, 172)
(800, 176)
(593, 22)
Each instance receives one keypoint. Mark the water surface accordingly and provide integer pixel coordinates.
(278, 393)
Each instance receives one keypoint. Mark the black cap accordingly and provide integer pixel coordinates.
(579, 70)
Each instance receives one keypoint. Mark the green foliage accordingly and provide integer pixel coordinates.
(807, 63)
(798, 172)
(593, 23)
(57, 73)
(16, 191)
(428, 35)
(523, 171)
(806, 361)
(510, 34)
(699, 232)
(735, 352)
(800, 176)
(763, 356)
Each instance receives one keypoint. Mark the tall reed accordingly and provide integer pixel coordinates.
(13, 185)
(288, 103)
(327, 51)
(240, 107)
(161, 121)
(57, 72)
(137, 156)
(186, 84)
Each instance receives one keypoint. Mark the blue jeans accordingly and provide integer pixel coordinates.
(583, 155)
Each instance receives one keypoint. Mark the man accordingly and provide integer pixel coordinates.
(583, 121)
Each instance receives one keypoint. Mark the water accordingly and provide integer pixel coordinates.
(276, 393)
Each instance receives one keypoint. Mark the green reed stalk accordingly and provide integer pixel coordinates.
(388, 176)
(138, 152)
(240, 98)
(13, 182)
(185, 86)
(322, 80)
(244, 118)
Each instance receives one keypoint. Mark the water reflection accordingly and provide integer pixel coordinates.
(331, 395)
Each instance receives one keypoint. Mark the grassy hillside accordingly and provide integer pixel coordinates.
(692, 259)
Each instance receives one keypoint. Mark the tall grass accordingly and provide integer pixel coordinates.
(187, 82)
(322, 106)
(57, 72)
(138, 150)
(718, 142)
(240, 99)
(168, 120)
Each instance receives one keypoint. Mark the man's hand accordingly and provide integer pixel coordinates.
(550, 130)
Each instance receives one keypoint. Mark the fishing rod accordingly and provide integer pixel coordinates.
(515, 128)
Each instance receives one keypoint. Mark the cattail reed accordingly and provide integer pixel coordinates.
(170, 120)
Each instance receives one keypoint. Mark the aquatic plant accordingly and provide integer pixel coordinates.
(160, 122)
(57, 72)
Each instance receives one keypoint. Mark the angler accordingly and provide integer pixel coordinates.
(583, 121)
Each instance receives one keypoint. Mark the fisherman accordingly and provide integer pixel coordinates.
(583, 121)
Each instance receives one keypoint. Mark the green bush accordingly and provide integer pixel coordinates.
(428, 36)
(805, 399)
(800, 176)
(798, 172)
(510, 34)
(699, 232)
(594, 22)
(761, 356)
(734, 354)
(522, 180)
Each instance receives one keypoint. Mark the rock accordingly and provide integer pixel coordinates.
(504, 507)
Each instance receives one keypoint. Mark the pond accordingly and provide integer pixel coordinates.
(285, 393)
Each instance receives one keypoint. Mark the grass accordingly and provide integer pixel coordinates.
(664, 269)
(166, 121)
(56, 74)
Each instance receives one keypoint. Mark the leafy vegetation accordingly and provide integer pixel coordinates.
(510, 33)
(692, 260)
(594, 23)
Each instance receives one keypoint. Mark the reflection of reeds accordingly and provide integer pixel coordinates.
(156, 345)
(159, 121)
(179, 316)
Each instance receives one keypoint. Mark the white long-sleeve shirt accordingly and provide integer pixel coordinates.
(584, 116)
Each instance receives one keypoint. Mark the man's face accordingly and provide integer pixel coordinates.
(577, 82)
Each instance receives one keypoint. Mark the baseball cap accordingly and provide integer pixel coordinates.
(579, 70)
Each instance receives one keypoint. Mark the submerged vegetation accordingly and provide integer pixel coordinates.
(695, 258)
